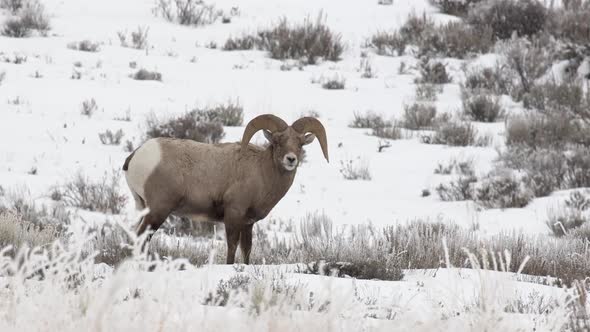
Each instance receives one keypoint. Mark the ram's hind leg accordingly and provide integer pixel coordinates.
(151, 222)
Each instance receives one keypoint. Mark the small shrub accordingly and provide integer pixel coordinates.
(427, 92)
(31, 16)
(461, 189)
(453, 7)
(564, 220)
(393, 132)
(577, 165)
(110, 138)
(455, 166)
(146, 75)
(578, 200)
(129, 146)
(110, 243)
(89, 107)
(567, 98)
(246, 42)
(495, 80)
(230, 114)
(543, 131)
(505, 17)
(85, 46)
(102, 196)
(138, 40)
(418, 116)
(455, 133)
(389, 43)
(481, 107)
(353, 171)
(2, 76)
(55, 217)
(570, 24)
(308, 42)
(368, 120)
(456, 40)
(433, 72)
(186, 126)
(12, 5)
(187, 12)
(502, 191)
(336, 83)
(527, 61)
(366, 69)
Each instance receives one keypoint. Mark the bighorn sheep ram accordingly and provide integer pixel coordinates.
(237, 183)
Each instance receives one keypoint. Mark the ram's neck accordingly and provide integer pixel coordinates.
(277, 182)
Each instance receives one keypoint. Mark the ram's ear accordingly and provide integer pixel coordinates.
(308, 139)
(268, 135)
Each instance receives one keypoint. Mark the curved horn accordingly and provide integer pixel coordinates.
(265, 121)
(312, 125)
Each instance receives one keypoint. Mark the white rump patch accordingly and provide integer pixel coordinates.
(142, 165)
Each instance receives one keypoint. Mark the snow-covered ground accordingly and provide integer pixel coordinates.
(46, 130)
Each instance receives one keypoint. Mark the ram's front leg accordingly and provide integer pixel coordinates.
(234, 220)
(232, 236)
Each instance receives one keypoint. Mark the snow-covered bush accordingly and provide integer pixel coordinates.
(334, 83)
(569, 99)
(453, 39)
(351, 170)
(505, 17)
(502, 190)
(454, 7)
(455, 133)
(138, 40)
(147, 75)
(309, 41)
(391, 131)
(527, 61)
(29, 16)
(368, 120)
(88, 107)
(427, 92)
(570, 22)
(190, 125)
(565, 220)
(85, 46)
(418, 116)
(230, 114)
(542, 131)
(463, 167)
(496, 80)
(461, 189)
(432, 72)
(481, 107)
(187, 12)
(111, 138)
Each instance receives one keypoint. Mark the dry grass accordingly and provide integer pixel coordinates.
(102, 196)
(20, 234)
